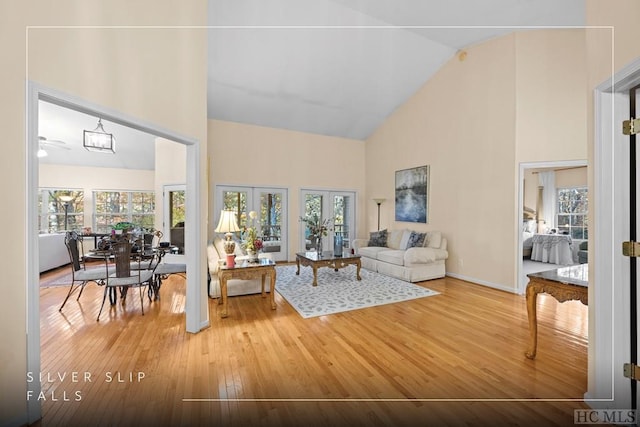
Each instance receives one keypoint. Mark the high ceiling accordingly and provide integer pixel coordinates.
(63, 130)
(340, 67)
(329, 67)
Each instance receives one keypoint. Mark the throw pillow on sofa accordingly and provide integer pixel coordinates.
(416, 240)
(378, 238)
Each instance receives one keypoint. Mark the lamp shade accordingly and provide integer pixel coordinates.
(379, 201)
(227, 223)
(98, 140)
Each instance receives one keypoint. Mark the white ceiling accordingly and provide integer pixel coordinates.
(302, 64)
(330, 67)
(134, 149)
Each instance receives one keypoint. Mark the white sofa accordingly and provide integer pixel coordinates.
(216, 257)
(52, 252)
(405, 255)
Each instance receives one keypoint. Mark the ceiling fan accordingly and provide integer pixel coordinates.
(50, 143)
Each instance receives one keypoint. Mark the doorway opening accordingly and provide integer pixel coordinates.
(196, 315)
(536, 217)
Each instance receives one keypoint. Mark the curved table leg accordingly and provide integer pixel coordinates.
(272, 289)
(223, 293)
(532, 296)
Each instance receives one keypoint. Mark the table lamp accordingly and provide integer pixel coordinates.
(228, 225)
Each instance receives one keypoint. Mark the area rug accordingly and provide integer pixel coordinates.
(339, 291)
(64, 280)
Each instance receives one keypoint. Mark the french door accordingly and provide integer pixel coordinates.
(270, 206)
(174, 215)
(338, 206)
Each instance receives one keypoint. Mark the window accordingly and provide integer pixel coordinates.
(572, 212)
(60, 210)
(112, 207)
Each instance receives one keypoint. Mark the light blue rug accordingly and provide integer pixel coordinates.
(339, 291)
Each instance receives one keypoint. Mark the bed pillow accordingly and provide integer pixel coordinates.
(416, 240)
(378, 238)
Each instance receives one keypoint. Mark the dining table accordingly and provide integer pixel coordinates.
(149, 258)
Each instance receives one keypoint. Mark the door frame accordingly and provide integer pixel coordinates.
(609, 277)
(197, 316)
(523, 167)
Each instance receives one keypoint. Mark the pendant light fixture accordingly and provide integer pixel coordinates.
(98, 140)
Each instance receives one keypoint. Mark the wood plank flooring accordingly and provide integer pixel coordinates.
(452, 359)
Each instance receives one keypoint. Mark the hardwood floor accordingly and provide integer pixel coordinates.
(452, 359)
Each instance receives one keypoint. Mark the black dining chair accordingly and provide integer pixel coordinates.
(80, 275)
(124, 276)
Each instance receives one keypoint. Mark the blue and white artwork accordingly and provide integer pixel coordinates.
(412, 188)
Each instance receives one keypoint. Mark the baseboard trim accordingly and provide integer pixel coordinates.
(483, 282)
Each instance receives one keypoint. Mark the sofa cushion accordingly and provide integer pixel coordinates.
(416, 240)
(420, 256)
(392, 256)
(378, 238)
(434, 239)
(393, 239)
(371, 251)
(404, 241)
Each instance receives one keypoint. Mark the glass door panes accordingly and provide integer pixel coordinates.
(339, 206)
(313, 208)
(236, 201)
(270, 219)
(269, 204)
(342, 218)
(175, 214)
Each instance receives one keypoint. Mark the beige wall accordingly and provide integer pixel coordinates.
(574, 177)
(474, 122)
(551, 98)
(170, 169)
(116, 68)
(260, 156)
(567, 178)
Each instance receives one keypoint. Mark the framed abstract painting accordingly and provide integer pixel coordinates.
(412, 194)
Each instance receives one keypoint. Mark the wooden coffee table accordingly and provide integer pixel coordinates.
(245, 270)
(326, 259)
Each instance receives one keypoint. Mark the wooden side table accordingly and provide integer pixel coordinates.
(247, 271)
(564, 284)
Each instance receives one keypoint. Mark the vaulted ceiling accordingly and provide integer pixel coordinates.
(340, 67)
(329, 67)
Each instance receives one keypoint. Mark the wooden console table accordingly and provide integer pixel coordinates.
(246, 270)
(326, 259)
(564, 284)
